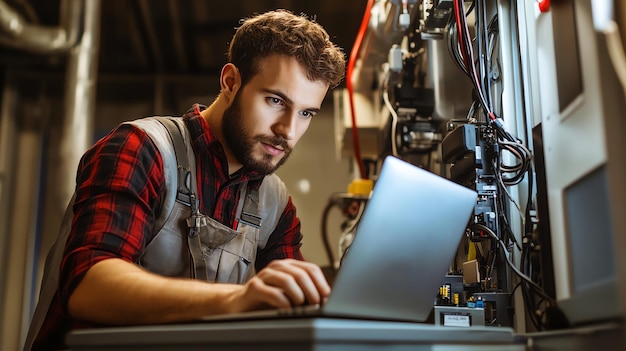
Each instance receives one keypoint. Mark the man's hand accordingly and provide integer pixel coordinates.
(283, 283)
(115, 291)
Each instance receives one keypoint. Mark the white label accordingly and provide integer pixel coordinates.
(455, 320)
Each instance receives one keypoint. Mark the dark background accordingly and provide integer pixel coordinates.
(174, 37)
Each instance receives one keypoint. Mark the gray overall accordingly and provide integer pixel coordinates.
(187, 243)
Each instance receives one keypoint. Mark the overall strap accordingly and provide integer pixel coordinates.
(273, 198)
(184, 175)
(166, 132)
(186, 193)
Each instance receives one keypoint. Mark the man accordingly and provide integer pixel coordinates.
(280, 68)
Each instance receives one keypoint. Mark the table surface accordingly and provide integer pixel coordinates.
(294, 331)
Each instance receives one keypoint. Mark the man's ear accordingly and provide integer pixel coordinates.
(230, 80)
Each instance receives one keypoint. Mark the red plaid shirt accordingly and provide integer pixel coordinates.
(120, 185)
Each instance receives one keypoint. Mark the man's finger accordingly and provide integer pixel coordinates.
(308, 277)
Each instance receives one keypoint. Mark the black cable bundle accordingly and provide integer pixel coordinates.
(542, 307)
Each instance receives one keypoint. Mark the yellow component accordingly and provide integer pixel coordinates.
(456, 298)
(471, 251)
(361, 187)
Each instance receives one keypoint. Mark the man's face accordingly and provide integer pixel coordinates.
(270, 114)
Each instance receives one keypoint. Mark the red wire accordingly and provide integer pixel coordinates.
(459, 32)
(351, 62)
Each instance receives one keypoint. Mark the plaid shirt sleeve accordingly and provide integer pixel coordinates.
(285, 241)
(119, 183)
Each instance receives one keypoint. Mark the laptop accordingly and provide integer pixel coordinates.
(403, 247)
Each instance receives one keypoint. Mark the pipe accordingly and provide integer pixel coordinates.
(80, 93)
(18, 33)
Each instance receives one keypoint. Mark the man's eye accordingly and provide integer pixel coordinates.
(307, 114)
(274, 101)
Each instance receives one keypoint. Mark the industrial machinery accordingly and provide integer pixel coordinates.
(453, 86)
(425, 83)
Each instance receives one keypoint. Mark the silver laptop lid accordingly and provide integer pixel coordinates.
(404, 245)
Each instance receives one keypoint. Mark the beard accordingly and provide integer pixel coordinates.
(242, 144)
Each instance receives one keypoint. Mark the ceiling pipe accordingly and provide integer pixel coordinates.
(77, 36)
(18, 33)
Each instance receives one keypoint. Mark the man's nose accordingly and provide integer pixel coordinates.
(286, 126)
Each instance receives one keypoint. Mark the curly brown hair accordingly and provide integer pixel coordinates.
(284, 33)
